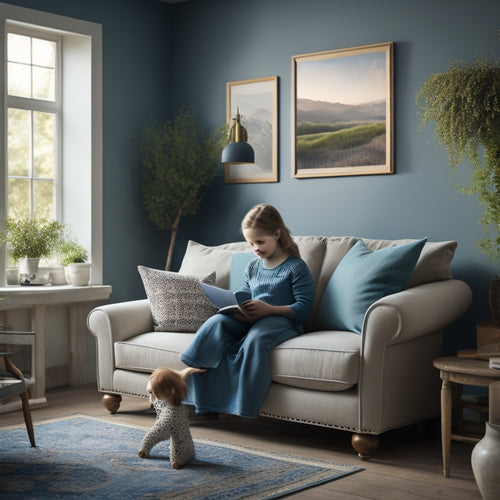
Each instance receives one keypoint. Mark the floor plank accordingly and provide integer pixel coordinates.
(407, 464)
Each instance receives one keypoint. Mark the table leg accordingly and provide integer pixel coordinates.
(446, 405)
(38, 326)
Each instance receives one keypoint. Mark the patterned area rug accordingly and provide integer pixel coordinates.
(88, 458)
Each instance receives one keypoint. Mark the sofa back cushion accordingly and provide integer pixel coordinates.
(432, 265)
(198, 258)
(322, 255)
(361, 278)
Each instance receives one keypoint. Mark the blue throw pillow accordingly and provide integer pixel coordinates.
(361, 278)
(239, 262)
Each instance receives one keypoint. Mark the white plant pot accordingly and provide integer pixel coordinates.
(58, 276)
(78, 274)
(29, 266)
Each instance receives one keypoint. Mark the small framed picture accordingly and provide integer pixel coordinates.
(342, 112)
(257, 102)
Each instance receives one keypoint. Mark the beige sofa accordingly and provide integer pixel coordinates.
(366, 383)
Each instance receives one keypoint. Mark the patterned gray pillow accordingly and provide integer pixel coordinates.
(178, 303)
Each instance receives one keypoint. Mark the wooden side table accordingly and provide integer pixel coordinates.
(454, 370)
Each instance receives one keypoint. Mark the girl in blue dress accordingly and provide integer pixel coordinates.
(236, 350)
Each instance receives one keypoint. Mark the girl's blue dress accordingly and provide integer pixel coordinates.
(237, 355)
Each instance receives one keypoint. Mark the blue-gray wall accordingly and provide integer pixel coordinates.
(158, 57)
(228, 40)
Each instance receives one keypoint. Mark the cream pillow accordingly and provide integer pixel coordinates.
(200, 260)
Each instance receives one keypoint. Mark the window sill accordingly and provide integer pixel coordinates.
(15, 296)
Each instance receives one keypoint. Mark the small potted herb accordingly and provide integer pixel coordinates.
(29, 239)
(74, 259)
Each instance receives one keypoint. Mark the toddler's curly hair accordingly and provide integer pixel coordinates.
(167, 385)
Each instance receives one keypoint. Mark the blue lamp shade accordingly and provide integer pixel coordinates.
(238, 152)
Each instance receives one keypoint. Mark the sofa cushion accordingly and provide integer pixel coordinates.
(433, 263)
(178, 303)
(148, 351)
(361, 278)
(312, 250)
(200, 260)
(322, 361)
(239, 263)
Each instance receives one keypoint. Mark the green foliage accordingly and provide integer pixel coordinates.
(464, 103)
(30, 236)
(71, 251)
(177, 165)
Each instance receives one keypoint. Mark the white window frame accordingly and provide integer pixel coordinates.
(54, 107)
(81, 125)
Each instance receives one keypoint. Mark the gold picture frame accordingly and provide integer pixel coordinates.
(257, 102)
(342, 112)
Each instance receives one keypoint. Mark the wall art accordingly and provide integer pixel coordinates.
(342, 112)
(257, 102)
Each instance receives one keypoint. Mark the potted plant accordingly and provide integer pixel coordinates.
(178, 163)
(464, 103)
(30, 238)
(74, 259)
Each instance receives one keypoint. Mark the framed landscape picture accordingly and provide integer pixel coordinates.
(257, 102)
(342, 112)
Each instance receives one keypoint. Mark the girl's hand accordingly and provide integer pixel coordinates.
(256, 309)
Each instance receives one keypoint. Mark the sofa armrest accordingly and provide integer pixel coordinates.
(402, 335)
(112, 323)
(416, 311)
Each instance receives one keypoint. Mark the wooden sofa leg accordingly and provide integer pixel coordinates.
(111, 402)
(364, 444)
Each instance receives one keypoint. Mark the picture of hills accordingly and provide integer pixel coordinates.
(333, 112)
(330, 135)
(343, 111)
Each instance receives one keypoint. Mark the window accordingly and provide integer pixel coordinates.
(33, 116)
(51, 129)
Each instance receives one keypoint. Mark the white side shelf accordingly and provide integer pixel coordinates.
(36, 298)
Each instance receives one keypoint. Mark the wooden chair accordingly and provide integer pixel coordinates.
(12, 383)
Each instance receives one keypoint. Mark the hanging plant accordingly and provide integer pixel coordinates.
(464, 103)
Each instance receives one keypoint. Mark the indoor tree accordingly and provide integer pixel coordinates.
(178, 163)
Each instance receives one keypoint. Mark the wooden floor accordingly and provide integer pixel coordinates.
(407, 464)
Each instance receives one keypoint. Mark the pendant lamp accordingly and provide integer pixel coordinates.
(238, 150)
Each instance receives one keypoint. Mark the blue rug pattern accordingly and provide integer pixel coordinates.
(89, 458)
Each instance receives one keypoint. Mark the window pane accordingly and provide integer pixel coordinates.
(19, 49)
(19, 196)
(44, 201)
(44, 144)
(19, 142)
(44, 53)
(19, 80)
(44, 84)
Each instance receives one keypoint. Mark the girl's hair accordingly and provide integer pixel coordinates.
(167, 385)
(268, 220)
